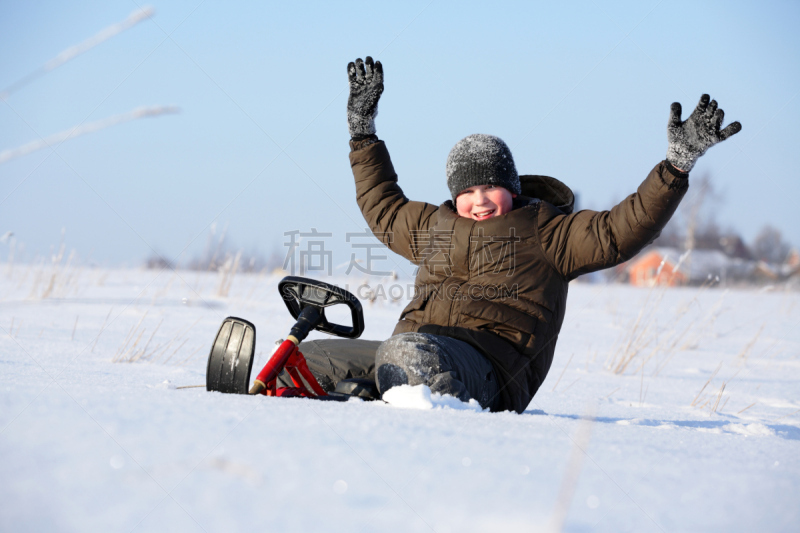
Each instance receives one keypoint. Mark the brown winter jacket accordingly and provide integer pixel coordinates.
(501, 284)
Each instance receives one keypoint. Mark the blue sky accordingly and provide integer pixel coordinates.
(580, 91)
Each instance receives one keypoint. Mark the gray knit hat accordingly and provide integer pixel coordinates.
(481, 160)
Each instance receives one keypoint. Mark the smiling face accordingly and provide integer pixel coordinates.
(484, 201)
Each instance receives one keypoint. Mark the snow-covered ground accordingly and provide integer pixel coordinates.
(626, 434)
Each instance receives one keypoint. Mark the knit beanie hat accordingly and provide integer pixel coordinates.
(481, 160)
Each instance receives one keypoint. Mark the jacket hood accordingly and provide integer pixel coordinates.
(550, 190)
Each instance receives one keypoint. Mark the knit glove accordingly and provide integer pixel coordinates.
(366, 86)
(689, 140)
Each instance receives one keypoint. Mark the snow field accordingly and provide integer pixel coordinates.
(95, 445)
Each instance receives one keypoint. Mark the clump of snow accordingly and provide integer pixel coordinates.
(451, 402)
(421, 397)
(166, 384)
(408, 397)
(750, 429)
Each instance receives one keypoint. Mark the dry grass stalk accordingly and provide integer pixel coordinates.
(56, 261)
(58, 278)
(562, 373)
(128, 338)
(159, 351)
(74, 327)
(706, 325)
(610, 393)
(786, 416)
(571, 384)
(627, 353)
(646, 332)
(749, 346)
(132, 348)
(187, 330)
(227, 271)
(721, 390)
(102, 328)
(140, 354)
(176, 351)
(144, 351)
(68, 276)
(132, 355)
(719, 397)
(724, 404)
(702, 328)
(713, 374)
(638, 338)
(746, 408)
(133, 330)
(190, 356)
(670, 351)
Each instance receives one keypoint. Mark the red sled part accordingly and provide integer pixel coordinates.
(288, 357)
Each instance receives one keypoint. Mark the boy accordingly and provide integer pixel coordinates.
(496, 260)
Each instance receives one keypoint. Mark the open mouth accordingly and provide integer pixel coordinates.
(483, 215)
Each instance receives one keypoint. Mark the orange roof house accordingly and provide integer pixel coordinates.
(666, 267)
(647, 270)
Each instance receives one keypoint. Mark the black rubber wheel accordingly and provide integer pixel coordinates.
(231, 359)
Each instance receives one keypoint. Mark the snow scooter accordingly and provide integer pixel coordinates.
(231, 359)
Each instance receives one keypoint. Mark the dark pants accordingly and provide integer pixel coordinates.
(332, 360)
(447, 366)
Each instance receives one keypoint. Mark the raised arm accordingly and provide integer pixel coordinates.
(393, 218)
(590, 240)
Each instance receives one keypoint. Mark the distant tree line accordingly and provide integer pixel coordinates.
(695, 228)
(218, 254)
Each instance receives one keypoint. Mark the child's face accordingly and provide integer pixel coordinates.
(484, 201)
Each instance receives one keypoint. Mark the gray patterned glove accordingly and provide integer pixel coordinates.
(689, 140)
(366, 86)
